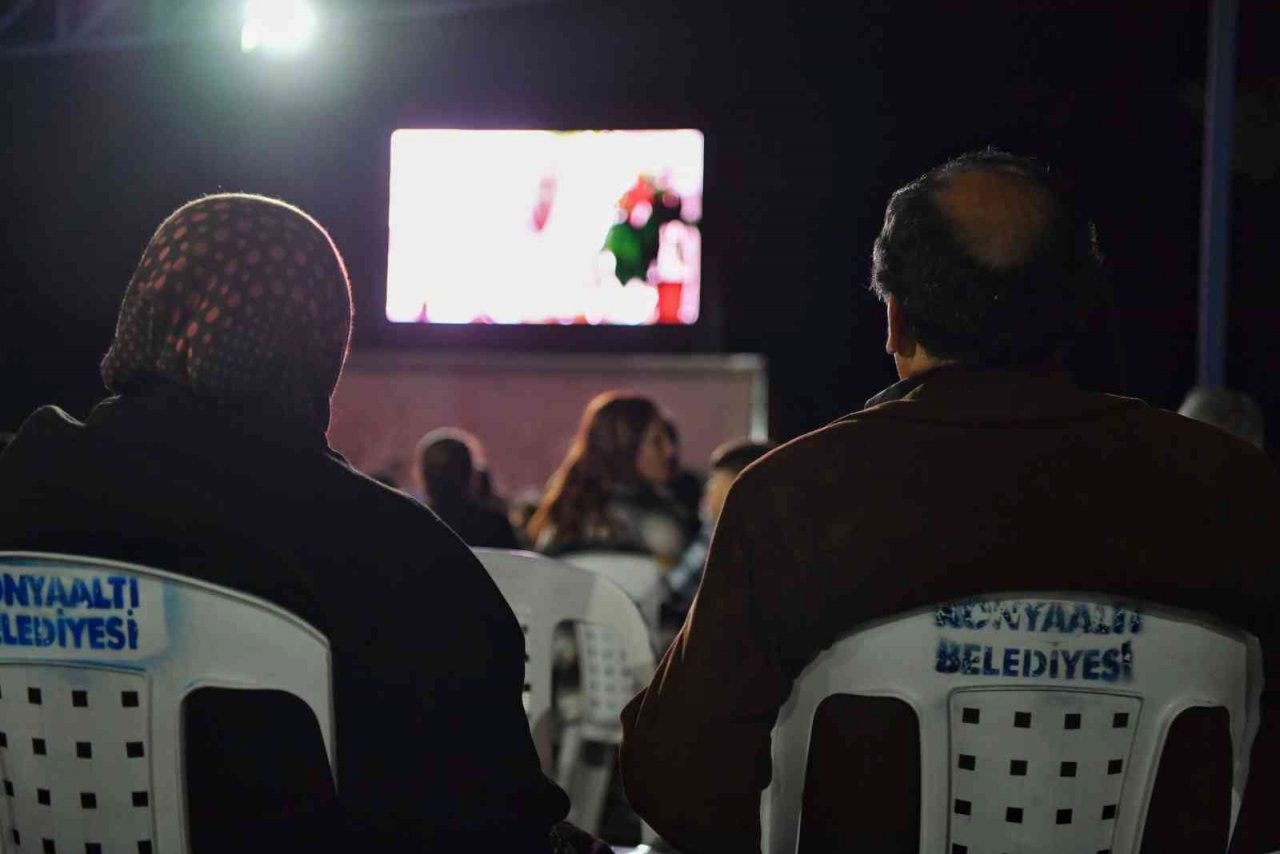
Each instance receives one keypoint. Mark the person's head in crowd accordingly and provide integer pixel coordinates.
(622, 441)
(985, 261)
(1231, 410)
(241, 301)
(727, 462)
(447, 469)
(445, 466)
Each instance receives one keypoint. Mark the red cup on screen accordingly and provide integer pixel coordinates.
(669, 301)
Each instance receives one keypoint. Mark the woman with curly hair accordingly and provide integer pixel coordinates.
(610, 491)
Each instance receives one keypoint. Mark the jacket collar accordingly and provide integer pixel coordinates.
(897, 391)
(169, 415)
(957, 394)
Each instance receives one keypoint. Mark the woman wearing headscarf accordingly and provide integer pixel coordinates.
(210, 459)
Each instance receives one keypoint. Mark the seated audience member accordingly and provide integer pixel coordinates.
(210, 460)
(983, 470)
(607, 494)
(727, 462)
(448, 480)
(1231, 410)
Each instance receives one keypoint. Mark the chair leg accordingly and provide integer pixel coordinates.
(590, 786)
(567, 759)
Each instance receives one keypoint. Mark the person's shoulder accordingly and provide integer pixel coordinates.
(494, 516)
(632, 499)
(499, 532)
(490, 518)
(377, 510)
(808, 447)
(1164, 426)
(809, 452)
(367, 523)
(1200, 445)
(49, 419)
(44, 431)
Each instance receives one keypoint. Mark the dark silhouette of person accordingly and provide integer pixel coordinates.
(210, 459)
(448, 476)
(984, 469)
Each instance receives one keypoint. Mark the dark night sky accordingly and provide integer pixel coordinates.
(813, 118)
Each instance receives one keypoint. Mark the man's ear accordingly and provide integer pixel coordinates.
(898, 342)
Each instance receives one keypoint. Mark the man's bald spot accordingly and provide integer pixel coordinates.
(998, 215)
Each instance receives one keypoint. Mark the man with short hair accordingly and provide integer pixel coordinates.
(727, 462)
(445, 469)
(983, 470)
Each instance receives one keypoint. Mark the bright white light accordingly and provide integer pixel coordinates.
(499, 226)
(279, 26)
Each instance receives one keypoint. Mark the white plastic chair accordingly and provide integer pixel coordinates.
(638, 575)
(615, 660)
(96, 657)
(1042, 716)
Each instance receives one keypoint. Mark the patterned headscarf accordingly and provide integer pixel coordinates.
(241, 299)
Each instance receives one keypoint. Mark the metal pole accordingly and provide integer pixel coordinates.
(1215, 189)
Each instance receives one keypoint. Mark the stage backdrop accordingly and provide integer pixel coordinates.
(524, 408)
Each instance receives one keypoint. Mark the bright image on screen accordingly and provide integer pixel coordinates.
(545, 227)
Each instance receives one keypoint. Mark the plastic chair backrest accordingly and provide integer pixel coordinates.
(543, 593)
(1042, 716)
(637, 574)
(96, 657)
